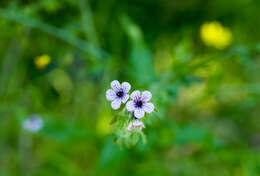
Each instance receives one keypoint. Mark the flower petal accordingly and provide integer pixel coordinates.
(110, 94)
(116, 103)
(148, 107)
(130, 106)
(125, 98)
(139, 113)
(115, 85)
(126, 87)
(137, 123)
(130, 126)
(140, 127)
(146, 95)
(135, 94)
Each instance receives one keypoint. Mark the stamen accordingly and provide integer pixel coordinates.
(120, 93)
(139, 104)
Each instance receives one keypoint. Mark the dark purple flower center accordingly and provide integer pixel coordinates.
(139, 103)
(120, 94)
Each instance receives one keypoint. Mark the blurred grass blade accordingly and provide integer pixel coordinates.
(88, 22)
(9, 65)
(91, 49)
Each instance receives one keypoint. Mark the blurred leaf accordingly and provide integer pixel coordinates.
(110, 156)
(140, 56)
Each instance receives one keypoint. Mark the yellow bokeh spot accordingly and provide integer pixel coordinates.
(163, 61)
(103, 125)
(60, 81)
(189, 95)
(215, 35)
(42, 61)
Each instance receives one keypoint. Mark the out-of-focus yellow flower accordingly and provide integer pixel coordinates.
(215, 35)
(42, 61)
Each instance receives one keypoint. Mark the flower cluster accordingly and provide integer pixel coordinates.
(137, 106)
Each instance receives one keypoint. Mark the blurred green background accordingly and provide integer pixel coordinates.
(199, 58)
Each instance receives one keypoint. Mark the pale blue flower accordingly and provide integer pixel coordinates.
(34, 123)
(139, 103)
(118, 94)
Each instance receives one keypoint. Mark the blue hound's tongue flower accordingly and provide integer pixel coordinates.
(118, 93)
(139, 103)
